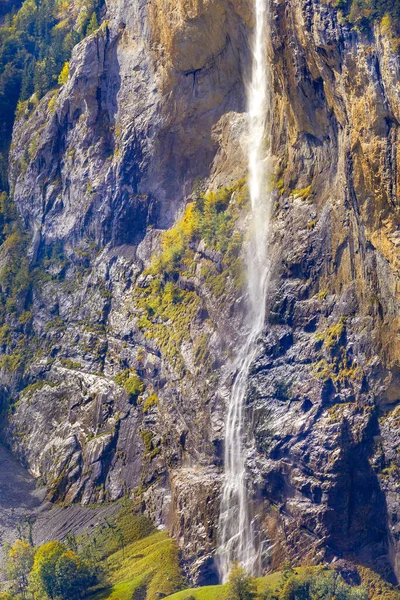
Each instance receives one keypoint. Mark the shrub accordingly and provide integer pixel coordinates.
(132, 383)
(240, 586)
(63, 76)
(134, 386)
(320, 583)
(151, 401)
(73, 575)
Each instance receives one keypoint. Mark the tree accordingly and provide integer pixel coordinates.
(18, 566)
(241, 586)
(93, 24)
(60, 573)
(74, 576)
(63, 77)
(44, 75)
(43, 577)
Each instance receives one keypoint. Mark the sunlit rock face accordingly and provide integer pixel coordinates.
(156, 99)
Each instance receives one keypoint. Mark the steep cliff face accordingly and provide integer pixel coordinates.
(130, 358)
(325, 388)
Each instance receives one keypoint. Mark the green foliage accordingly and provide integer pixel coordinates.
(322, 294)
(25, 317)
(322, 584)
(208, 219)
(134, 556)
(339, 369)
(303, 193)
(70, 364)
(377, 587)
(314, 583)
(148, 568)
(15, 289)
(338, 366)
(34, 387)
(311, 224)
(14, 276)
(132, 383)
(150, 402)
(35, 44)
(201, 352)
(74, 576)
(362, 14)
(19, 563)
(151, 450)
(93, 24)
(60, 573)
(241, 586)
(15, 280)
(137, 559)
(334, 334)
(116, 533)
(43, 576)
(12, 362)
(168, 313)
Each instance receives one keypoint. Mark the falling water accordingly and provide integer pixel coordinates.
(236, 529)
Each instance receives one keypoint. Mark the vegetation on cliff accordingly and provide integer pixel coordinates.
(168, 298)
(35, 44)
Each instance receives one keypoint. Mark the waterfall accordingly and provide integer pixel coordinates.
(236, 528)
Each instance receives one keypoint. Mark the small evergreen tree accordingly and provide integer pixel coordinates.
(93, 24)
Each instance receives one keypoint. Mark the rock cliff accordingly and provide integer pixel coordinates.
(117, 369)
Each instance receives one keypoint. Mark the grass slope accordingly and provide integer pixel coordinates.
(141, 563)
(138, 561)
(217, 592)
(149, 566)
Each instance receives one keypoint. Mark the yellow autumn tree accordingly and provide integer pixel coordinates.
(63, 77)
(18, 566)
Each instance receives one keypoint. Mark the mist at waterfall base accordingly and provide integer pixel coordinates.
(236, 527)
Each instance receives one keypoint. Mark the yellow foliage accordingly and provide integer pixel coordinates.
(63, 77)
(52, 103)
(386, 24)
(304, 193)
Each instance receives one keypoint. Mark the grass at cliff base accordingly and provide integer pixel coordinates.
(149, 565)
(140, 562)
(218, 592)
(145, 565)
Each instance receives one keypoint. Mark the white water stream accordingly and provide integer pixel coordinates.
(236, 530)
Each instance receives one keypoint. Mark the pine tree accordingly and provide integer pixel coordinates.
(93, 24)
